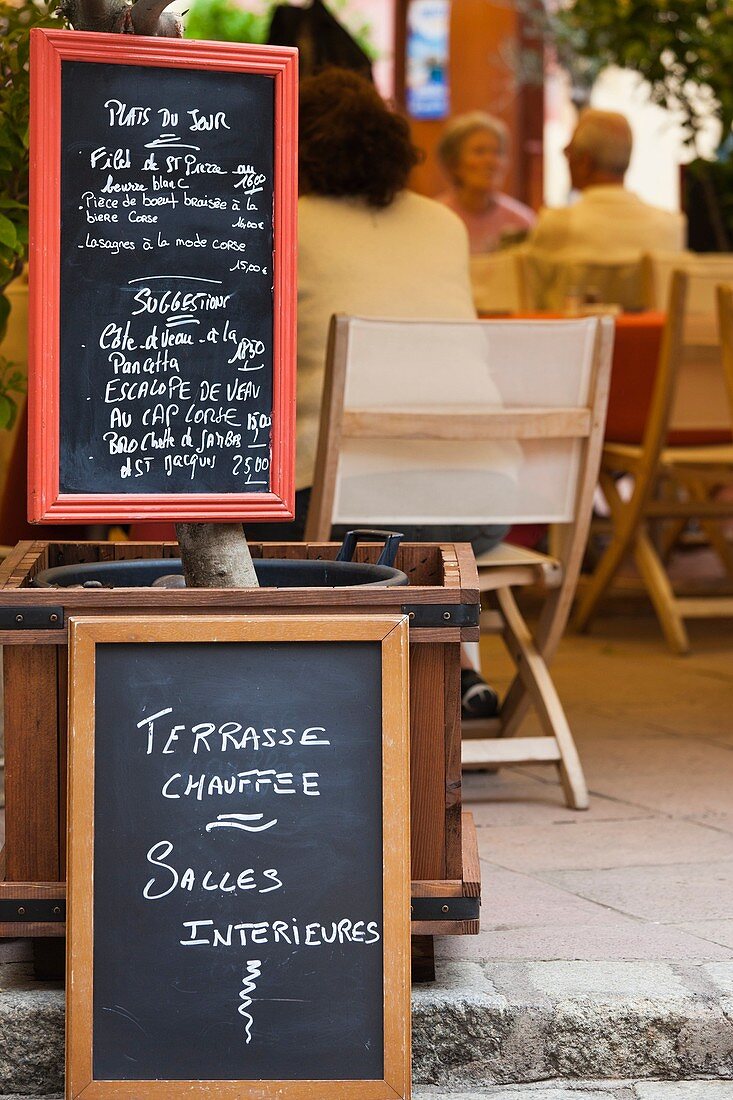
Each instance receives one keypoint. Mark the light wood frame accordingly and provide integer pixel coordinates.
(46, 504)
(484, 742)
(671, 483)
(85, 634)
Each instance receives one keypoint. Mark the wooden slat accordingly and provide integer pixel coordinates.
(40, 890)
(510, 750)
(453, 773)
(28, 891)
(471, 859)
(443, 888)
(446, 927)
(467, 566)
(427, 761)
(459, 422)
(204, 599)
(11, 562)
(474, 728)
(691, 509)
(31, 763)
(62, 695)
(713, 607)
(58, 637)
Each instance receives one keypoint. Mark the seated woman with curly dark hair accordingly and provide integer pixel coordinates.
(368, 246)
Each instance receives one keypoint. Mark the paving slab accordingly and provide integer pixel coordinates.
(590, 844)
(677, 776)
(683, 1090)
(675, 892)
(715, 931)
(570, 941)
(513, 797)
(721, 974)
(516, 900)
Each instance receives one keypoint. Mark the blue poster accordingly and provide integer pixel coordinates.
(428, 24)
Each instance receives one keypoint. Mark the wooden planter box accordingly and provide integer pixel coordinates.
(443, 603)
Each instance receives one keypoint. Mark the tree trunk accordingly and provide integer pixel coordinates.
(214, 555)
(146, 17)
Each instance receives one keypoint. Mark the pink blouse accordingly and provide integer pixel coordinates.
(485, 230)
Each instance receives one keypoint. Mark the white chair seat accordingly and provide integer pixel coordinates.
(530, 566)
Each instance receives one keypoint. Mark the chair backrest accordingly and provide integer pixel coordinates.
(496, 281)
(548, 283)
(702, 407)
(468, 422)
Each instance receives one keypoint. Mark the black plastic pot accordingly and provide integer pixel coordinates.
(271, 572)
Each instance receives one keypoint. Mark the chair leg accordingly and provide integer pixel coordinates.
(674, 529)
(603, 575)
(661, 593)
(712, 528)
(543, 693)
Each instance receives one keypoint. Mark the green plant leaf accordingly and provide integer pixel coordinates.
(8, 235)
(8, 411)
(4, 314)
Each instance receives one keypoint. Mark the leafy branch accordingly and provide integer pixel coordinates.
(682, 48)
(12, 381)
(16, 22)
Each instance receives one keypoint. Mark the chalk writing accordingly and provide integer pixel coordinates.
(250, 984)
(163, 278)
(164, 735)
(239, 860)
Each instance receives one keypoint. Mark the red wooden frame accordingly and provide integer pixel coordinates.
(45, 502)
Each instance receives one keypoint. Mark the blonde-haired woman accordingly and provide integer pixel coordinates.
(474, 152)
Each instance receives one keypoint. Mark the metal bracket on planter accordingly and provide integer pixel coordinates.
(32, 911)
(445, 908)
(31, 618)
(442, 614)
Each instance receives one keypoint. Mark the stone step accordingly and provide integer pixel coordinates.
(477, 1027)
(583, 1090)
(557, 1090)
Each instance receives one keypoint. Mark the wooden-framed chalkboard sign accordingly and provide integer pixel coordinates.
(162, 279)
(239, 895)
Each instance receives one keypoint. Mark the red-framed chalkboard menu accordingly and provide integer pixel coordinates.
(162, 278)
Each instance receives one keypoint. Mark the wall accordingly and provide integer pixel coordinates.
(485, 41)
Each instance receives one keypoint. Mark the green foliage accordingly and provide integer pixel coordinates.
(683, 48)
(16, 21)
(224, 21)
(12, 381)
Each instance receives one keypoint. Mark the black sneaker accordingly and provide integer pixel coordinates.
(478, 700)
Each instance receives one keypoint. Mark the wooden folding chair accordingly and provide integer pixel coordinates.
(680, 463)
(496, 281)
(476, 423)
(547, 283)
